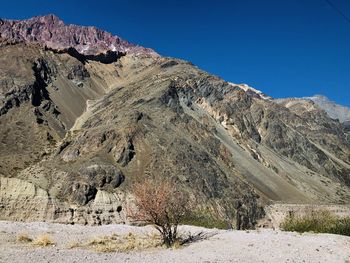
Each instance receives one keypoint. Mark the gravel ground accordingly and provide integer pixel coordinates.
(221, 246)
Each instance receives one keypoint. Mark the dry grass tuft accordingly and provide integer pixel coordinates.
(123, 243)
(44, 241)
(133, 242)
(177, 244)
(73, 244)
(24, 238)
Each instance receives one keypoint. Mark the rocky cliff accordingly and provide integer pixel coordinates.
(78, 129)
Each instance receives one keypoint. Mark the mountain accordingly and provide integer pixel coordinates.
(335, 111)
(50, 32)
(84, 115)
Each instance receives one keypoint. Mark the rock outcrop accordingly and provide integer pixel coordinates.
(23, 201)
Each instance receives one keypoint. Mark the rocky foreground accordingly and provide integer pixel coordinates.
(216, 245)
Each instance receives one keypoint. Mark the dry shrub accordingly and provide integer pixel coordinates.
(162, 205)
(43, 240)
(24, 238)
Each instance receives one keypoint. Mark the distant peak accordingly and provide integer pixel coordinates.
(50, 31)
(334, 110)
(50, 18)
(318, 96)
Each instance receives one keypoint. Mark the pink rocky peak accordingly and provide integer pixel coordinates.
(51, 32)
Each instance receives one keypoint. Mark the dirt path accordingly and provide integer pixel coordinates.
(221, 246)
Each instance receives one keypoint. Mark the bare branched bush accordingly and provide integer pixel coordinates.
(162, 205)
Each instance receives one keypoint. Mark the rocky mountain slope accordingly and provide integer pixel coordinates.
(80, 125)
(333, 109)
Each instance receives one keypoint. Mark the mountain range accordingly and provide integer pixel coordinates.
(85, 114)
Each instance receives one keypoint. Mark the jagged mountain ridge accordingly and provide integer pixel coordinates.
(49, 31)
(77, 133)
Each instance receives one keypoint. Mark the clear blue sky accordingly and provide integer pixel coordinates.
(285, 48)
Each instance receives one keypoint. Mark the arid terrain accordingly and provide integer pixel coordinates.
(216, 246)
(85, 115)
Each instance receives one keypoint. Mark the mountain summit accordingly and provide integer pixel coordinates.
(79, 126)
(49, 31)
(333, 109)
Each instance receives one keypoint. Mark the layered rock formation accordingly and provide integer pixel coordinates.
(77, 132)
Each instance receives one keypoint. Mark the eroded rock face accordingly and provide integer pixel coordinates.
(36, 204)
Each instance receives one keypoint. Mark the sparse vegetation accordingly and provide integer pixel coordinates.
(73, 244)
(119, 243)
(204, 219)
(162, 205)
(24, 238)
(135, 242)
(43, 241)
(317, 222)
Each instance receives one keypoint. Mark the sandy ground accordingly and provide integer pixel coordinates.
(221, 246)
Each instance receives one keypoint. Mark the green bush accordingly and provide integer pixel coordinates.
(317, 222)
(204, 219)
